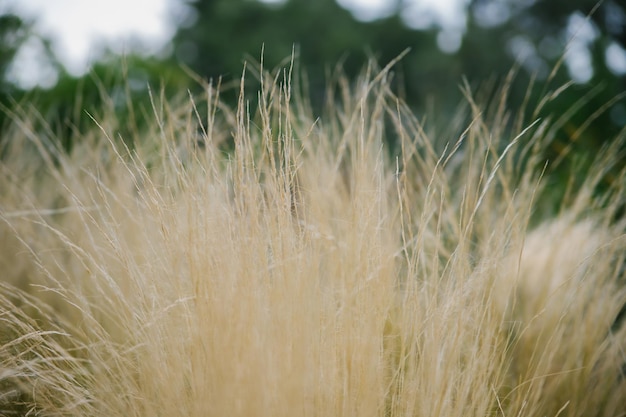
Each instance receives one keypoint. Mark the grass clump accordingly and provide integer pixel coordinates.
(265, 263)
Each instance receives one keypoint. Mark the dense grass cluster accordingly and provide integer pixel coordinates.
(259, 261)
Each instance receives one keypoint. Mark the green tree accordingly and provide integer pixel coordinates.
(228, 31)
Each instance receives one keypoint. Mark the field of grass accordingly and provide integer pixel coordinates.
(259, 261)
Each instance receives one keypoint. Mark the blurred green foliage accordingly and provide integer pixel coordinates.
(531, 36)
(123, 86)
(327, 39)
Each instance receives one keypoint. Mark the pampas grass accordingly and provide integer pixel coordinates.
(258, 261)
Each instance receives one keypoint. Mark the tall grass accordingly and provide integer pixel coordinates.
(258, 261)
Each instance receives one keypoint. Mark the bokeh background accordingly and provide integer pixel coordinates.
(64, 54)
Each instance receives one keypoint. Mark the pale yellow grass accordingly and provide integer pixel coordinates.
(307, 270)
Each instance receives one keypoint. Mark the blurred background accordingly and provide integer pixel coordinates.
(55, 51)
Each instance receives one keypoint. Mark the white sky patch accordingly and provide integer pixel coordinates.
(615, 57)
(425, 14)
(581, 32)
(79, 29)
(29, 70)
(579, 63)
(368, 10)
(524, 51)
(449, 41)
(448, 15)
(492, 13)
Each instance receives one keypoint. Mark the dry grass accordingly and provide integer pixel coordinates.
(309, 271)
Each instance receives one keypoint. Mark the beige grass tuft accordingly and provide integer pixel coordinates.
(281, 265)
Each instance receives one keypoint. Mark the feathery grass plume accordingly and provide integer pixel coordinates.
(277, 265)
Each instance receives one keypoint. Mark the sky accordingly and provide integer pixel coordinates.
(79, 29)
